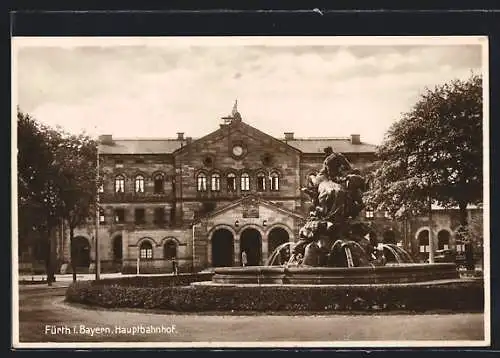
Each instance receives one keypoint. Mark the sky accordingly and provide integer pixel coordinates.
(156, 89)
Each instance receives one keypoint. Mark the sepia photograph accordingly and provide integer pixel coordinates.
(250, 192)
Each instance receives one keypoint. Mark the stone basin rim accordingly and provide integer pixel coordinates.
(312, 269)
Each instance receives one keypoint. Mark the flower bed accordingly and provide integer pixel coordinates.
(457, 296)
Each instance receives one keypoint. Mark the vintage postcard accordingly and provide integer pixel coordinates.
(250, 192)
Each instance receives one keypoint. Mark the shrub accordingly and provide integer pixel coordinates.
(460, 296)
(154, 281)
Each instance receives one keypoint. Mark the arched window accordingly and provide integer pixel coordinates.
(120, 184)
(170, 250)
(201, 182)
(159, 184)
(245, 182)
(369, 213)
(215, 182)
(139, 184)
(231, 182)
(275, 181)
(261, 182)
(146, 251)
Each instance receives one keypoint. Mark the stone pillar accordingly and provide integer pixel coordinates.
(264, 249)
(237, 254)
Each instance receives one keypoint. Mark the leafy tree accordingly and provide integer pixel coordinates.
(75, 160)
(56, 181)
(433, 154)
(38, 193)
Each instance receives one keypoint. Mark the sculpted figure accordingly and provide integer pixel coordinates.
(336, 197)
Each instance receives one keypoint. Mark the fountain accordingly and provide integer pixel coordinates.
(333, 246)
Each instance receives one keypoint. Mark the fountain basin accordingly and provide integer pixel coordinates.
(402, 273)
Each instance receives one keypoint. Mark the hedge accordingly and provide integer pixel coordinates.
(154, 281)
(458, 296)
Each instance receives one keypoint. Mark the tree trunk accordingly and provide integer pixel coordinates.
(431, 232)
(462, 208)
(50, 258)
(72, 256)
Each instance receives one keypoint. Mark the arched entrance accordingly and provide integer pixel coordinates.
(443, 240)
(80, 252)
(117, 249)
(251, 243)
(389, 237)
(222, 248)
(276, 237)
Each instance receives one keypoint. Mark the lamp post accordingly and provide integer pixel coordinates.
(193, 246)
(97, 258)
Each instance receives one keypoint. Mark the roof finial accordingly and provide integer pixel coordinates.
(235, 108)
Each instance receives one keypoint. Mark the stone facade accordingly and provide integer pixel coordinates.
(174, 199)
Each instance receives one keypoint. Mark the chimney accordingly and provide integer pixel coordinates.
(180, 135)
(355, 139)
(106, 139)
(288, 135)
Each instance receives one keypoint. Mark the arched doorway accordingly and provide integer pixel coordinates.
(80, 252)
(251, 243)
(389, 237)
(276, 237)
(222, 248)
(443, 240)
(117, 249)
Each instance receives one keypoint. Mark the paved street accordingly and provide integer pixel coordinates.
(44, 317)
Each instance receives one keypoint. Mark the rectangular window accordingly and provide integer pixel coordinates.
(139, 216)
(275, 183)
(369, 214)
(158, 185)
(119, 163)
(202, 183)
(159, 215)
(102, 219)
(119, 216)
(215, 183)
(120, 184)
(146, 253)
(424, 248)
(231, 183)
(261, 183)
(245, 182)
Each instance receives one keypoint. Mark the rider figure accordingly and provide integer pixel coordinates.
(335, 166)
